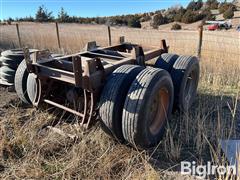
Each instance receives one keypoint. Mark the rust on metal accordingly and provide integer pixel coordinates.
(81, 76)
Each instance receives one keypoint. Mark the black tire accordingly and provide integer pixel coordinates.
(166, 61)
(9, 62)
(113, 98)
(185, 76)
(21, 82)
(7, 77)
(7, 70)
(7, 74)
(14, 54)
(31, 87)
(147, 108)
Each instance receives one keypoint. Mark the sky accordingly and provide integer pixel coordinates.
(84, 8)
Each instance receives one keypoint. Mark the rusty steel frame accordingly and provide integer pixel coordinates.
(85, 70)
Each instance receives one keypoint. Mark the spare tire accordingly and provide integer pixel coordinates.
(21, 82)
(185, 76)
(7, 74)
(14, 54)
(7, 77)
(9, 62)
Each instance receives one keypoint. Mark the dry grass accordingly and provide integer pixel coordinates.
(30, 149)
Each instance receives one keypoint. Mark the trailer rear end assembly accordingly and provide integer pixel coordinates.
(132, 89)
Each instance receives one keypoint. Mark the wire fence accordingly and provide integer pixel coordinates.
(73, 37)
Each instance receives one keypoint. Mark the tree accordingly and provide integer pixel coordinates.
(208, 15)
(63, 16)
(134, 22)
(9, 21)
(228, 14)
(195, 6)
(212, 4)
(191, 5)
(199, 5)
(43, 15)
(158, 20)
(225, 6)
(179, 14)
(188, 17)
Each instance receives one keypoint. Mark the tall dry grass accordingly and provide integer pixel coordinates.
(38, 144)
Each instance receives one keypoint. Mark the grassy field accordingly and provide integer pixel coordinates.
(36, 143)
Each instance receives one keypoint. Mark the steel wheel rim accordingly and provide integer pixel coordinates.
(159, 111)
(189, 87)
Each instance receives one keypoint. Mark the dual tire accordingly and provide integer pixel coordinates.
(136, 103)
(184, 71)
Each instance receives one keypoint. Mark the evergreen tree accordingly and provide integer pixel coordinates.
(228, 14)
(63, 16)
(43, 15)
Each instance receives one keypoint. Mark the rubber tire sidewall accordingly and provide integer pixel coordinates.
(141, 136)
(21, 82)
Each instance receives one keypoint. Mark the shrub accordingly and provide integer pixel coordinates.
(158, 20)
(179, 14)
(228, 14)
(212, 4)
(208, 15)
(188, 17)
(225, 6)
(195, 6)
(145, 18)
(191, 16)
(134, 22)
(176, 27)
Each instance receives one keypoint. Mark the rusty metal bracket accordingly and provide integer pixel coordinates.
(139, 55)
(77, 69)
(28, 60)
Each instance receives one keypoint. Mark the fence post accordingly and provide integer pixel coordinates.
(121, 39)
(109, 36)
(19, 38)
(58, 37)
(199, 51)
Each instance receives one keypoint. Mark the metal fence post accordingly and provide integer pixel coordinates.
(199, 50)
(58, 37)
(109, 36)
(19, 38)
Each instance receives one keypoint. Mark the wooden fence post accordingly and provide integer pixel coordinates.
(109, 36)
(199, 51)
(58, 37)
(121, 39)
(19, 38)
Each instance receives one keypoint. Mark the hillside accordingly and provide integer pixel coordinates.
(194, 26)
